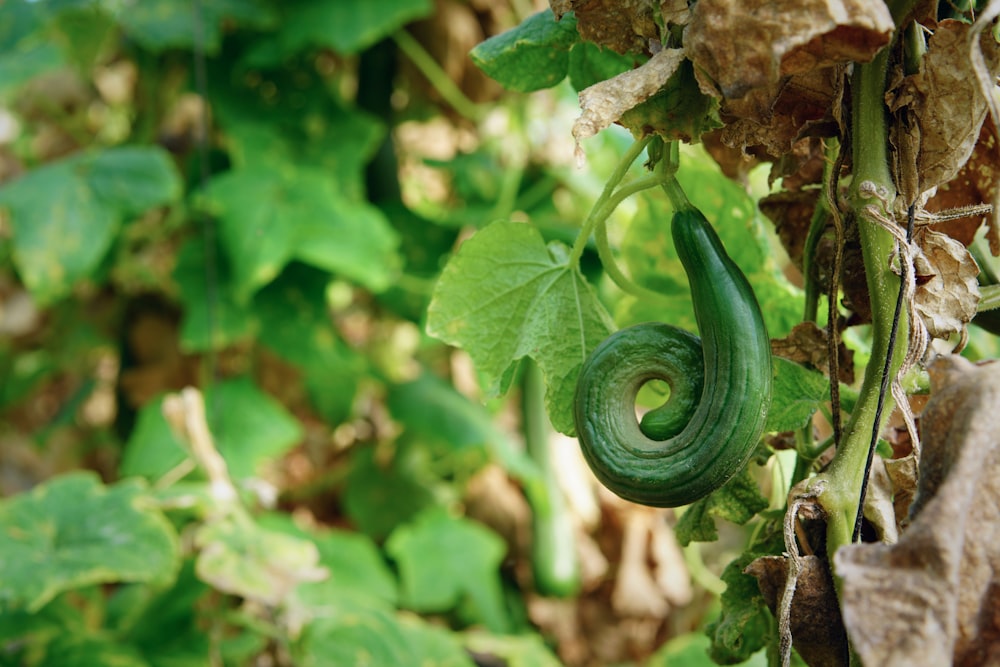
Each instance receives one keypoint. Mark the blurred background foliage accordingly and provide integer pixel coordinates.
(255, 198)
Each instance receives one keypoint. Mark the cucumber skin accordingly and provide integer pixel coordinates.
(730, 370)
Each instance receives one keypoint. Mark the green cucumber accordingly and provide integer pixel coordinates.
(720, 386)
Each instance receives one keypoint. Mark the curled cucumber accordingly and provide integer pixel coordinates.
(720, 386)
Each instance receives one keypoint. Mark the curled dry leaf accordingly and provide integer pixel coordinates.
(605, 102)
(742, 45)
(773, 122)
(817, 631)
(934, 597)
(947, 291)
(621, 25)
(974, 183)
(944, 107)
(791, 212)
(807, 344)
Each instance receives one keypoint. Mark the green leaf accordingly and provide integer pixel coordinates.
(346, 26)
(61, 230)
(433, 410)
(240, 557)
(165, 625)
(313, 128)
(532, 56)
(213, 317)
(295, 324)
(267, 215)
(445, 561)
(797, 392)
(73, 532)
(506, 295)
(251, 429)
(158, 25)
(25, 50)
(372, 637)
(692, 650)
(590, 64)
(134, 179)
(65, 215)
(737, 501)
(513, 650)
(152, 448)
(87, 651)
(745, 624)
(380, 496)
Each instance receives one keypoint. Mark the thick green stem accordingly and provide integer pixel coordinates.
(871, 166)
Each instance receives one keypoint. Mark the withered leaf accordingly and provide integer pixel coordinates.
(621, 25)
(945, 103)
(771, 121)
(791, 213)
(817, 631)
(747, 44)
(947, 291)
(975, 183)
(932, 598)
(605, 102)
(807, 343)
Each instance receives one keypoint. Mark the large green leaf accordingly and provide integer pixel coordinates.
(66, 214)
(73, 531)
(163, 24)
(532, 56)
(267, 215)
(346, 26)
(506, 295)
(446, 561)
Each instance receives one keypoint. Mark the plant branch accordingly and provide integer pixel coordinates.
(845, 476)
(601, 210)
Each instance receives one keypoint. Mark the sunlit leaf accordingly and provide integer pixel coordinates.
(506, 295)
(531, 56)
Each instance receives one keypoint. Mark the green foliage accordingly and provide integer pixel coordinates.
(73, 532)
(798, 393)
(65, 215)
(504, 296)
(737, 501)
(532, 56)
(445, 561)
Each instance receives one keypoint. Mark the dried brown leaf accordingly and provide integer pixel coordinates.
(947, 291)
(771, 121)
(621, 25)
(817, 631)
(743, 45)
(934, 597)
(976, 182)
(791, 213)
(945, 107)
(807, 344)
